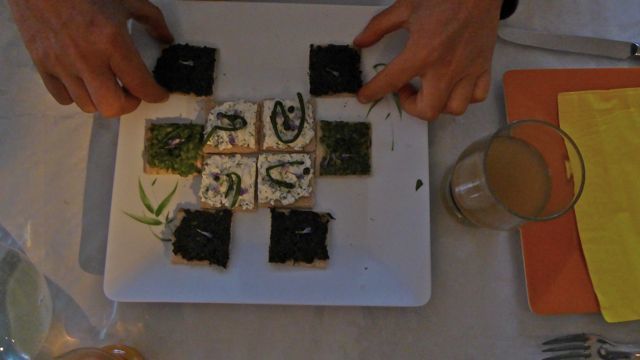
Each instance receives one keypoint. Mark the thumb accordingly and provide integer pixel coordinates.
(390, 19)
(149, 15)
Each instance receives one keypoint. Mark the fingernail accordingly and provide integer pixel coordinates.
(362, 99)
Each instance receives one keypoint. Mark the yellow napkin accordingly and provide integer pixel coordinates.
(606, 127)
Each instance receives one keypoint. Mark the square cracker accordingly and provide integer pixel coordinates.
(358, 134)
(251, 180)
(299, 238)
(151, 170)
(223, 230)
(305, 202)
(236, 149)
(334, 70)
(265, 120)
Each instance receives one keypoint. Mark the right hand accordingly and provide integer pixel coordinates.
(84, 53)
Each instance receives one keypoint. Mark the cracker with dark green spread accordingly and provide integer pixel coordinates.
(202, 237)
(187, 69)
(345, 148)
(334, 70)
(173, 149)
(299, 237)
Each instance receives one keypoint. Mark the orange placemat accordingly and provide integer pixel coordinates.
(557, 278)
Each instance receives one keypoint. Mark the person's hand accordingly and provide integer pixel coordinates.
(85, 55)
(449, 48)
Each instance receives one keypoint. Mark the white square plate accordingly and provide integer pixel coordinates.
(379, 243)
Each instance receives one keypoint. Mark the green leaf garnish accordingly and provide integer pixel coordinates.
(144, 219)
(393, 132)
(144, 198)
(160, 237)
(419, 184)
(166, 201)
(371, 107)
(279, 106)
(396, 99)
(282, 183)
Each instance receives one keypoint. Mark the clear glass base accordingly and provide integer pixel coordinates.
(449, 202)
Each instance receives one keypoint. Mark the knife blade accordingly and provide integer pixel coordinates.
(571, 43)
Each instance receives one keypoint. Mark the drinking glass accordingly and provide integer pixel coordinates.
(529, 170)
(25, 305)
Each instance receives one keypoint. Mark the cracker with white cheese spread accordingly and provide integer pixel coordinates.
(286, 180)
(288, 125)
(229, 182)
(232, 127)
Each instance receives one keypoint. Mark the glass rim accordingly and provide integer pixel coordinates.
(566, 137)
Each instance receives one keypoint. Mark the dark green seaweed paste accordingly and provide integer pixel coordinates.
(175, 147)
(204, 236)
(334, 69)
(187, 69)
(347, 148)
(298, 236)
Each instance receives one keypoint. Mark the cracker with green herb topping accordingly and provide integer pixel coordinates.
(174, 148)
(299, 238)
(286, 180)
(202, 237)
(232, 128)
(229, 181)
(345, 148)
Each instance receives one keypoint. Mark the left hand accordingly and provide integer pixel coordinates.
(449, 48)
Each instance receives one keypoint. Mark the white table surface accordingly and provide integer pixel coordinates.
(56, 168)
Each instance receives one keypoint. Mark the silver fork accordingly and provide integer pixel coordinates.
(589, 346)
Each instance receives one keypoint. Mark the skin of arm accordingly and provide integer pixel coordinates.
(449, 49)
(84, 53)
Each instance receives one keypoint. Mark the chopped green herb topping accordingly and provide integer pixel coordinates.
(347, 148)
(175, 147)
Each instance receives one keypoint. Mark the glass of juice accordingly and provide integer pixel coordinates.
(529, 170)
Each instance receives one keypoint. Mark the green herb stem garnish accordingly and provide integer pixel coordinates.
(234, 181)
(286, 124)
(396, 97)
(236, 122)
(282, 183)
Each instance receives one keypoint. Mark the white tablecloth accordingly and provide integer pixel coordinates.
(56, 168)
